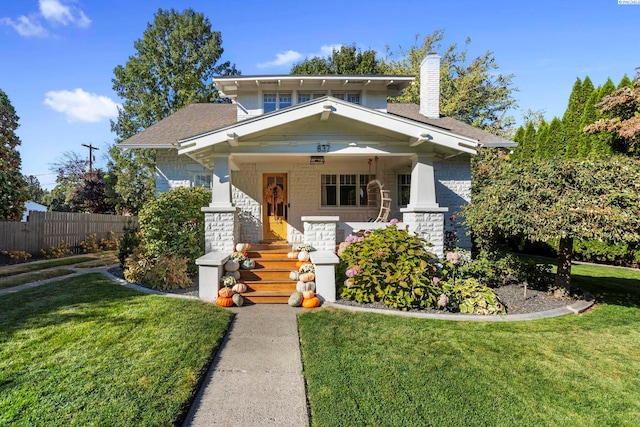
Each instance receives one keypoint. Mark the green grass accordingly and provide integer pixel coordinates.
(373, 369)
(12, 281)
(12, 270)
(86, 351)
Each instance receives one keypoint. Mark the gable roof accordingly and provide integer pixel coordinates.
(188, 121)
(414, 132)
(486, 139)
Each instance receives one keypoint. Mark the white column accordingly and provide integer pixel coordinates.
(221, 182)
(423, 183)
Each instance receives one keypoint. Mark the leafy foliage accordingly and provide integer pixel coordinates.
(566, 199)
(471, 89)
(90, 195)
(12, 183)
(168, 272)
(174, 225)
(389, 266)
(90, 244)
(343, 60)
(35, 192)
(469, 296)
(129, 241)
(60, 251)
(172, 67)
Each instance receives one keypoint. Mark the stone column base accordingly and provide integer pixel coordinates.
(427, 223)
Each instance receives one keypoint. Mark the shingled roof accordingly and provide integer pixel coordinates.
(412, 111)
(191, 120)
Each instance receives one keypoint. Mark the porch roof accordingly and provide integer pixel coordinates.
(408, 134)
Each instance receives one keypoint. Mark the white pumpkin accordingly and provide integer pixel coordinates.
(239, 287)
(303, 256)
(292, 255)
(232, 265)
(241, 247)
(238, 300)
(305, 286)
(294, 275)
(295, 300)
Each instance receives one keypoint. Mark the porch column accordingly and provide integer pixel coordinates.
(423, 182)
(423, 215)
(320, 232)
(221, 182)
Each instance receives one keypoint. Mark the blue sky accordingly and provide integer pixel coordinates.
(57, 56)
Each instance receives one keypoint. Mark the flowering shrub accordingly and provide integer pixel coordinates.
(60, 251)
(389, 266)
(469, 296)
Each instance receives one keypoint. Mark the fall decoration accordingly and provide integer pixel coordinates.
(294, 275)
(292, 255)
(303, 256)
(224, 301)
(248, 264)
(305, 286)
(308, 294)
(306, 277)
(295, 300)
(239, 288)
(237, 300)
(311, 302)
(225, 292)
(232, 265)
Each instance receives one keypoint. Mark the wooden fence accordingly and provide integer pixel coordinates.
(46, 229)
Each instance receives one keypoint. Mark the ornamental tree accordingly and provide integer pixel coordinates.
(12, 183)
(561, 198)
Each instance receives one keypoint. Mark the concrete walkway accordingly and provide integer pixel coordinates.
(256, 377)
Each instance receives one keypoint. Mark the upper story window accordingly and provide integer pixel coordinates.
(273, 101)
(308, 96)
(347, 96)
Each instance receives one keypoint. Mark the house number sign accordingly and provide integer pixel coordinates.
(324, 148)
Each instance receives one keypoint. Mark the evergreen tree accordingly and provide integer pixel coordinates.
(345, 60)
(12, 184)
(625, 82)
(572, 117)
(527, 147)
(542, 139)
(589, 115)
(555, 134)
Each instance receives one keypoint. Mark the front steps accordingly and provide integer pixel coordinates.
(268, 282)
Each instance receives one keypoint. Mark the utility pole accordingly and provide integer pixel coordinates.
(91, 148)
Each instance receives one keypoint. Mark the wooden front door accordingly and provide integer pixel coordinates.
(274, 206)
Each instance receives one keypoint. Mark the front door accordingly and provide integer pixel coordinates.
(274, 206)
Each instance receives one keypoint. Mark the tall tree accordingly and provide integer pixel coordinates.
(130, 179)
(173, 66)
(565, 198)
(12, 183)
(34, 191)
(344, 60)
(621, 112)
(471, 88)
(571, 120)
(70, 168)
(90, 195)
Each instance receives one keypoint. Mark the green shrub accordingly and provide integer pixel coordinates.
(389, 266)
(90, 244)
(110, 243)
(174, 225)
(129, 241)
(597, 251)
(137, 267)
(60, 251)
(469, 296)
(168, 272)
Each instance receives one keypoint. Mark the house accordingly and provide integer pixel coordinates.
(291, 158)
(32, 206)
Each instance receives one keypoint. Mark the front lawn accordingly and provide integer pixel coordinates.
(373, 369)
(86, 351)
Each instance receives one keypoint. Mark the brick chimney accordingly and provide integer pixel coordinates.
(430, 86)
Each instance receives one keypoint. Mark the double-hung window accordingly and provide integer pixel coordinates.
(201, 180)
(353, 97)
(404, 189)
(272, 101)
(348, 190)
(308, 96)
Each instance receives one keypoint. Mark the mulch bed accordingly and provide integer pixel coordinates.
(191, 291)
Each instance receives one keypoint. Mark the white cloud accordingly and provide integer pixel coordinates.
(26, 26)
(288, 57)
(81, 106)
(282, 58)
(55, 12)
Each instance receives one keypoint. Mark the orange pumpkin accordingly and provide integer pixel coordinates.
(224, 301)
(308, 294)
(306, 277)
(311, 302)
(225, 292)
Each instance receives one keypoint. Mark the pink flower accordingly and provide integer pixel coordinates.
(394, 221)
(443, 301)
(453, 218)
(436, 279)
(453, 257)
(351, 238)
(353, 271)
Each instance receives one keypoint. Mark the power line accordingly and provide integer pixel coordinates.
(91, 148)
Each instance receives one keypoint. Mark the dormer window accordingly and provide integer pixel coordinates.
(353, 97)
(273, 101)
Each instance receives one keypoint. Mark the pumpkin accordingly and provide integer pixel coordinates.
(248, 264)
(311, 302)
(237, 300)
(239, 288)
(304, 256)
(295, 300)
(306, 277)
(234, 274)
(292, 255)
(242, 247)
(305, 286)
(294, 275)
(224, 301)
(232, 265)
(225, 292)
(308, 294)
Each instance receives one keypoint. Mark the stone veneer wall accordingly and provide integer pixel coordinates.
(220, 232)
(453, 189)
(320, 232)
(427, 225)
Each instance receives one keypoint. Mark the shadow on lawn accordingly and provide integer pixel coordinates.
(610, 290)
(53, 303)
